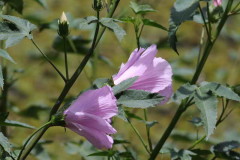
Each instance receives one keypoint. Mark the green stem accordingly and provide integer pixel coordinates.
(167, 132)
(197, 142)
(110, 14)
(205, 23)
(65, 58)
(183, 106)
(4, 98)
(139, 136)
(148, 131)
(22, 157)
(49, 61)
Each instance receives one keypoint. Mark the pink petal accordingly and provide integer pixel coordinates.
(136, 65)
(100, 102)
(217, 2)
(89, 121)
(96, 137)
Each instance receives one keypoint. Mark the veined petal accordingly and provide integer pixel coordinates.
(90, 121)
(156, 78)
(97, 138)
(137, 64)
(100, 102)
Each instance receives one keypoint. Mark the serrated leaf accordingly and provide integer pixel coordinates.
(1, 77)
(141, 9)
(123, 85)
(4, 54)
(207, 104)
(86, 23)
(152, 23)
(184, 92)
(219, 90)
(22, 28)
(43, 3)
(225, 150)
(111, 24)
(16, 124)
(139, 99)
(181, 154)
(183, 10)
(5, 143)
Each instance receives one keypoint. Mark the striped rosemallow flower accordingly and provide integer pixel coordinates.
(217, 2)
(154, 74)
(89, 116)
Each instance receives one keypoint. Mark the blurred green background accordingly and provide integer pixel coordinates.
(39, 84)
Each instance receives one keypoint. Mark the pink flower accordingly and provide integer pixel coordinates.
(154, 74)
(217, 2)
(89, 116)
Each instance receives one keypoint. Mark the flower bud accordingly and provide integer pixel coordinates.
(63, 26)
(98, 5)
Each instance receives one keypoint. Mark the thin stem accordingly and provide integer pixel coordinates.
(65, 58)
(201, 46)
(47, 125)
(197, 142)
(168, 131)
(4, 98)
(139, 136)
(148, 131)
(236, 7)
(205, 23)
(49, 61)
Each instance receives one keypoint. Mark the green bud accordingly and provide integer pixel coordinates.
(58, 120)
(63, 26)
(98, 5)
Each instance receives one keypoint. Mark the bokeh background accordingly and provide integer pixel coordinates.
(38, 85)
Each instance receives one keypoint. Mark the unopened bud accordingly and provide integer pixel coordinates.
(98, 5)
(63, 26)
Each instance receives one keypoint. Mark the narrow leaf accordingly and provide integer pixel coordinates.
(43, 3)
(207, 104)
(220, 90)
(5, 55)
(16, 124)
(152, 23)
(5, 143)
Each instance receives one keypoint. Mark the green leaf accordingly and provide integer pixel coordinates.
(121, 113)
(5, 55)
(181, 154)
(43, 3)
(123, 85)
(128, 19)
(152, 23)
(120, 141)
(5, 143)
(22, 28)
(183, 10)
(109, 153)
(184, 92)
(219, 90)
(141, 9)
(16, 4)
(139, 99)
(207, 104)
(225, 150)
(111, 24)
(3, 116)
(85, 23)
(1, 77)
(16, 124)
(100, 82)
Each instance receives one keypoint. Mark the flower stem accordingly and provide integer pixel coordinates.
(49, 61)
(139, 136)
(65, 58)
(68, 85)
(148, 131)
(44, 127)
